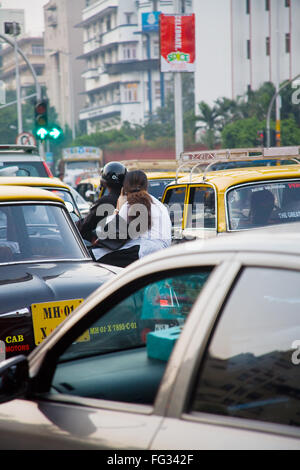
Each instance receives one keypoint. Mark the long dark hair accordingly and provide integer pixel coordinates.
(135, 188)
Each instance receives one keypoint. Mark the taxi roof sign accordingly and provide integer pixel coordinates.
(207, 156)
(204, 159)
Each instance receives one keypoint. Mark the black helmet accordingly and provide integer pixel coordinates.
(113, 173)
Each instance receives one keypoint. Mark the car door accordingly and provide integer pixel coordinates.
(106, 376)
(242, 387)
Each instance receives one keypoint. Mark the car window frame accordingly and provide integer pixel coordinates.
(177, 186)
(197, 185)
(46, 372)
(86, 256)
(186, 379)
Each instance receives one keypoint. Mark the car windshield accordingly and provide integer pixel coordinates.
(263, 204)
(19, 168)
(82, 165)
(35, 232)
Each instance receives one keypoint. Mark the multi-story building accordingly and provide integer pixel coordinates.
(247, 43)
(63, 72)
(33, 49)
(121, 55)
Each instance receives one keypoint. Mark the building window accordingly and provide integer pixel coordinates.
(130, 92)
(128, 17)
(157, 93)
(129, 52)
(248, 6)
(288, 43)
(287, 3)
(248, 49)
(108, 24)
(267, 5)
(268, 45)
(37, 50)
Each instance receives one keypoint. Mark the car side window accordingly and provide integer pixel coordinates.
(174, 199)
(123, 354)
(201, 209)
(250, 369)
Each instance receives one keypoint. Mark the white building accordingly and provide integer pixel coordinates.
(243, 45)
(122, 77)
(63, 72)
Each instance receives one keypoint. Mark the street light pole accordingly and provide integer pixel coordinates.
(179, 146)
(277, 92)
(18, 87)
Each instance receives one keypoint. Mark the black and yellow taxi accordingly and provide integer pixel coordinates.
(253, 188)
(55, 185)
(45, 269)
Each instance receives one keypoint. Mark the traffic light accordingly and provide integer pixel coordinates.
(55, 132)
(260, 138)
(41, 119)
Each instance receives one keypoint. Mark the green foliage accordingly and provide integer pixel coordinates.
(290, 132)
(242, 133)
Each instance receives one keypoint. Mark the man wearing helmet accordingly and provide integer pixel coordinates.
(112, 177)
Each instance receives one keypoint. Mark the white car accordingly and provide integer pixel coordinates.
(194, 347)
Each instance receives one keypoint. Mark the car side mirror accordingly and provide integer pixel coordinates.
(14, 378)
(90, 195)
(69, 206)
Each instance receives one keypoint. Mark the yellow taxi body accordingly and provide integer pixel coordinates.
(218, 185)
(54, 185)
(21, 193)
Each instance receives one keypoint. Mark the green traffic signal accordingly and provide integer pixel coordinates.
(42, 133)
(55, 132)
(52, 132)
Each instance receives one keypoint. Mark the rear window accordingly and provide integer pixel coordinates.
(22, 168)
(263, 204)
(156, 186)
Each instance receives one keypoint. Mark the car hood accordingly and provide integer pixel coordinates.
(24, 284)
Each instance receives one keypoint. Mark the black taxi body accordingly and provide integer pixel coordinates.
(45, 268)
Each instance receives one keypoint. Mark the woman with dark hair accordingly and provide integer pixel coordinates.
(147, 221)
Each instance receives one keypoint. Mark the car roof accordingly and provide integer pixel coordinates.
(251, 241)
(25, 193)
(92, 180)
(223, 179)
(20, 149)
(162, 174)
(32, 181)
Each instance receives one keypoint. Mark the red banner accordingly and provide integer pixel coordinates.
(177, 43)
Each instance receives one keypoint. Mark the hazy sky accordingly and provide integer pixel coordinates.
(34, 14)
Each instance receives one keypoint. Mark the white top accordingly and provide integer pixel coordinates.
(159, 235)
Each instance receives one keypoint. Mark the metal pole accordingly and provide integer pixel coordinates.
(179, 145)
(71, 96)
(278, 139)
(37, 85)
(18, 87)
(271, 105)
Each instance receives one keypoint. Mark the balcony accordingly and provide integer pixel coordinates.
(97, 112)
(91, 73)
(132, 66)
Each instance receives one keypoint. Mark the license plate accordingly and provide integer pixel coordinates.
(47, 316)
